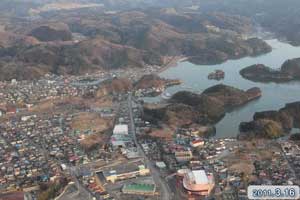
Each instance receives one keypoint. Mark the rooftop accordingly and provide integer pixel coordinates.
(121, 129)
(124, 168)
(198, 176)
(139, 187)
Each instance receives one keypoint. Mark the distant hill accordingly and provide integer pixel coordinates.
(79, 58)
(131, 38)
(277, 16)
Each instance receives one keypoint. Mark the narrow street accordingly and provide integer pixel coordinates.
(165, 191)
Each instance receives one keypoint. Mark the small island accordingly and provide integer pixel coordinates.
(216, 75)
(290, 70)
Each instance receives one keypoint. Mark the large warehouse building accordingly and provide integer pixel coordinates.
(125, 172)
(120, 137)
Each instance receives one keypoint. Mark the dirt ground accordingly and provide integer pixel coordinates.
(166, 133)
(93, 140)
(99, 126)
(91, 121)
(241, 160)
(49, 105)
(105, 101)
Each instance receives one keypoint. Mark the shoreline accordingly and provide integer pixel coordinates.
(173, 62)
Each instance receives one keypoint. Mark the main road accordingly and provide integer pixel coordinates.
(165, 191)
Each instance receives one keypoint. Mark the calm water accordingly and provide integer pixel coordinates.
(275, 96)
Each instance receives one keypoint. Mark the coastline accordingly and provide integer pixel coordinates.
(172, 62)
(228, 126)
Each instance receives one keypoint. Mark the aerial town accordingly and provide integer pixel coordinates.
(57, 142)
(149, 99)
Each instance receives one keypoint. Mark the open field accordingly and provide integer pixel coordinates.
(241, 160)
(90, 121)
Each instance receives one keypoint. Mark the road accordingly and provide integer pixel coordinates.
(165, 192)
(79, 192)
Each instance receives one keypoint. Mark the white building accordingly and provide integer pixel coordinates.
(120, 129)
